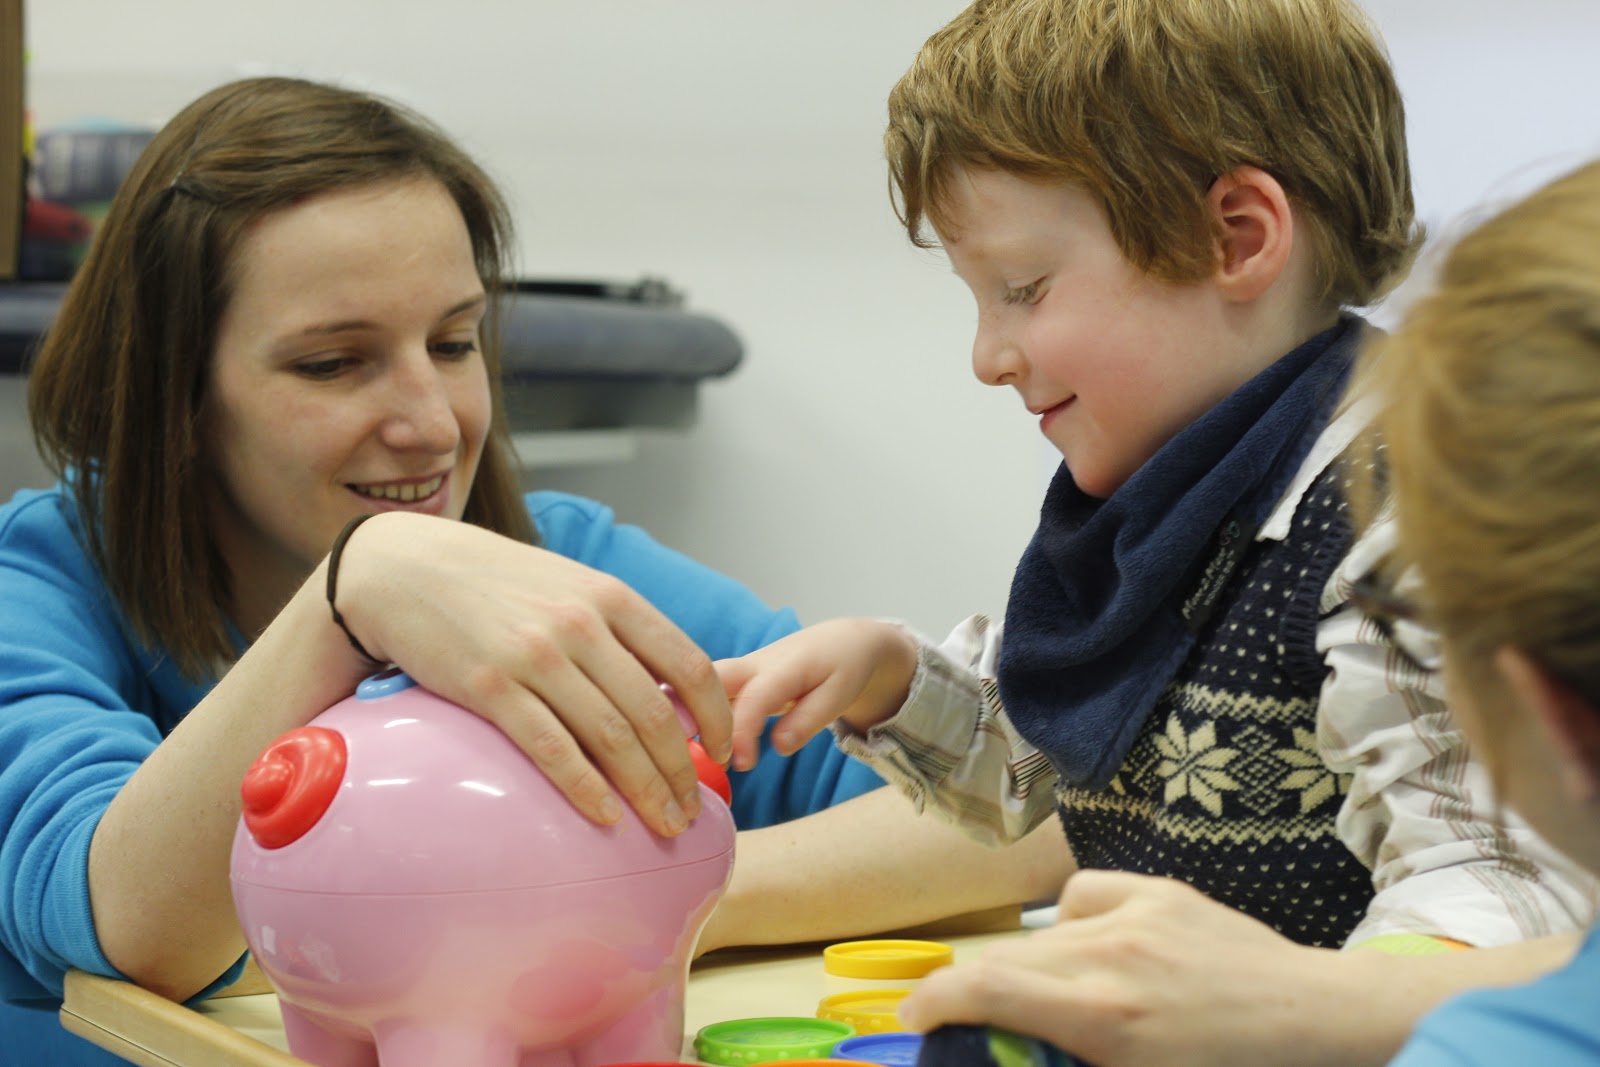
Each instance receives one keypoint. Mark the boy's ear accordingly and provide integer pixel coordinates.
(1252, 214)
(1570, 724)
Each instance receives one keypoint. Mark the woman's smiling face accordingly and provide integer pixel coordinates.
(347, 377)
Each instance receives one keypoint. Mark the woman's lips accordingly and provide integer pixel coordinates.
(428, 496)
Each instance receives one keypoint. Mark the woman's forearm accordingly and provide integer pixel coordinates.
(1378, 998)
(158, 863)
(870, 865)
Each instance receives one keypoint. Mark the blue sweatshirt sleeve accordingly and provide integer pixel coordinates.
(725, 619)
(80, 709)
(68, 741)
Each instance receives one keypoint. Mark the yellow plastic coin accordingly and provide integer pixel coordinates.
(886, 959)
(870, 1011)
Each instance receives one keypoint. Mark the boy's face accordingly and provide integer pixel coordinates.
(1112, 362)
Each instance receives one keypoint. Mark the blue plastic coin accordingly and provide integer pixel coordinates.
(896, 1049)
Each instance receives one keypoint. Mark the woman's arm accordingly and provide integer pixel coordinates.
(158, 863)
(1147, 972)
(563, 659)
(872, 865)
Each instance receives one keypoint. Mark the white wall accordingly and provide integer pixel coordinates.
(1500, 97)
(732, 147)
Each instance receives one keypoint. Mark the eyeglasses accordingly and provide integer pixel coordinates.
(1399, 621)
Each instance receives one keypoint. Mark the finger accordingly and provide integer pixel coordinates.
(805, 697)
(735, 674)
(669, 654)
(813, 712)
(1096, 892)
(629, 648)
(651, 710)
(545, 740)
(707, 704)
(1019, 999)
(608, 738)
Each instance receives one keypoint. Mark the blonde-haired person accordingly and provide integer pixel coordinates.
(1490, 420)
(1167, 212)
(286, 324)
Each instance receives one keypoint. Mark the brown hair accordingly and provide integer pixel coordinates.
(1490, 417)
(116, 389)
(1145, 103)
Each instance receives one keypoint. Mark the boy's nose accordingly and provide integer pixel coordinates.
(996, 359)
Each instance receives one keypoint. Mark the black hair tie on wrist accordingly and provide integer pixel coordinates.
(333, 582)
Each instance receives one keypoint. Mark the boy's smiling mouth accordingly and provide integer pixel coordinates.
(1047, 415)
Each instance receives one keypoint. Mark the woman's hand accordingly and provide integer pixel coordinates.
(565, 660)
(858, 670)
(1144, 972)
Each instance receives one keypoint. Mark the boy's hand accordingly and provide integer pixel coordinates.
(858, 670)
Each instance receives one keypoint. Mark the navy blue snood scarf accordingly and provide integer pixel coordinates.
(1109, 595)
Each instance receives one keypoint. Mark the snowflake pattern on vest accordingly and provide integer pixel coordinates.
(1225, 786)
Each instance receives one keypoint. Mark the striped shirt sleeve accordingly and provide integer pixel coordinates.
(951, 748)
(1448, 858)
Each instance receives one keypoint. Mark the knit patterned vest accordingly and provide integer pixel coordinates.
(1225, 786)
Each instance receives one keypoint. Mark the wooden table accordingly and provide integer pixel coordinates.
(241, 1027)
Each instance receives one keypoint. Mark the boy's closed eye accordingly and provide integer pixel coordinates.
(1026, 294)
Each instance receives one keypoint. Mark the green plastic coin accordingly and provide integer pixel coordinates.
(762, 1040)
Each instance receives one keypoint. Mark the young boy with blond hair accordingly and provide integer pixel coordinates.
(1166, 211)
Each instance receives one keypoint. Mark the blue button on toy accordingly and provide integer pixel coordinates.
(385, 683)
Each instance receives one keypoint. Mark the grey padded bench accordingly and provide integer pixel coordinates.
(577, 355)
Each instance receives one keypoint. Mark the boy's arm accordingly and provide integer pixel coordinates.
(927, 719)
(950, 746)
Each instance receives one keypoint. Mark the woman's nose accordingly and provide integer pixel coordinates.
(422, 416)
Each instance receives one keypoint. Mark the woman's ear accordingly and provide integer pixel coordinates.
(1252, 214)
(1568, 722)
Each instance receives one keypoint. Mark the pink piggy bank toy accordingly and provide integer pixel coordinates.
(420, 895)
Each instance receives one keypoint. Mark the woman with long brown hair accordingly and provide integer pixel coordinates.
(282, 343)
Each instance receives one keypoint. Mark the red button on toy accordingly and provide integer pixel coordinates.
(712, 774)
(291, 784)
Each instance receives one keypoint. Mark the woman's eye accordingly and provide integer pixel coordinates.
(321, 369)
(453, 350)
